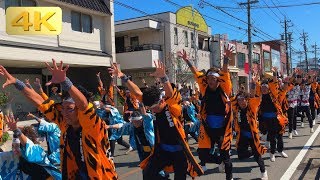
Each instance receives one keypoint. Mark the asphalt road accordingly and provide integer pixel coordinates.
(127, 165)
(308, 168)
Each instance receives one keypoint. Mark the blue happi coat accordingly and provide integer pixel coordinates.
(191, 110)
(33, 153)
(53, 133)
(116, 118)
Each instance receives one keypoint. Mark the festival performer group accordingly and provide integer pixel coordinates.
(81, 133)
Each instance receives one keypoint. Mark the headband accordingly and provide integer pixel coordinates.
(135, 118)
(213, 74)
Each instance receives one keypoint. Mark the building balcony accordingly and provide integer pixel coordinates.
(139, 48)
(139, 57)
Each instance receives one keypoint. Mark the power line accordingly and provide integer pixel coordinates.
(215, 7)
(209, 17)
(278, 6)
(271, 10)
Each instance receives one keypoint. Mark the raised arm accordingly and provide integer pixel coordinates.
(125, 80)
(185, 57)
(253, 85)
(99, 80)
(228, 51)
(38, 85)
(144, 83)
(12, 125)
(30, 94)
(59, 77)
(33, 116)
(161, 73)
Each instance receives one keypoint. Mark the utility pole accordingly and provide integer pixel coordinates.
(286, 26)
(304, 38)
(315, 46)
(290, 50)
(248, 4)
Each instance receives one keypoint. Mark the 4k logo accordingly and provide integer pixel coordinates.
(33, 20)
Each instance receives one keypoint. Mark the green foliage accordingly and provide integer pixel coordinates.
(97, 97)
(5, 138)
(3, 98)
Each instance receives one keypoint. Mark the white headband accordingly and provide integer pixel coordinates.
(213, 74)
(135, 118)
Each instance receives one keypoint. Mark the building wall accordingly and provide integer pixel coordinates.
(97, 41)
(265, 48)
(146, 36)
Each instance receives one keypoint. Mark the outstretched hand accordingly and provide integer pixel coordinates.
(228, 50)
(183, 55)
(37, 82)
(160, 70)
(255, 77)
(115, 71)
(9, 78)
(58, 73)
(274, 69)
(11, 122)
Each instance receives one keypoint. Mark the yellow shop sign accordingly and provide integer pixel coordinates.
(187, 16)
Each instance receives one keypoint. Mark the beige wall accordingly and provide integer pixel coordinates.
(138, 59)
(97, 41)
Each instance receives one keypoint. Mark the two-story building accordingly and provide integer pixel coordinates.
(86, 44)
(140, 41)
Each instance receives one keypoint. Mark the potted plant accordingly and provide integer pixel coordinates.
(5, 105)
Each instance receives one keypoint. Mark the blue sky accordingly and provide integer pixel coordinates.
(303, 18)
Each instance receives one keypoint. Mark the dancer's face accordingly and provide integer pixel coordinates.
(70, 113)
(242, 102)
(158, 107)
(213, 82)
(264, 89)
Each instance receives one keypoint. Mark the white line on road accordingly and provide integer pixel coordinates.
(292, 168)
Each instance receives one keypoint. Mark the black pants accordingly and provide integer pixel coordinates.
(244, 153)
(216, 136)
(306, 110)
(163, 158)
(126, 117)
(276, 139)
(312, 110)
(292, 117)
(119, 141)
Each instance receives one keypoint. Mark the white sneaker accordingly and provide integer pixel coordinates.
(295, 132)
(290, 135)
(272, 157)
(264, 176)
(284, 155)
(314, 122)
(311, 130)
(204, 168)
(129, 150)
(221, 167)
(302, 124)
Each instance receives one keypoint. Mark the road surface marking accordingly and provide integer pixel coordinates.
(292, 168)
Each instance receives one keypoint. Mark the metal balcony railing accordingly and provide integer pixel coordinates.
(140, 48)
